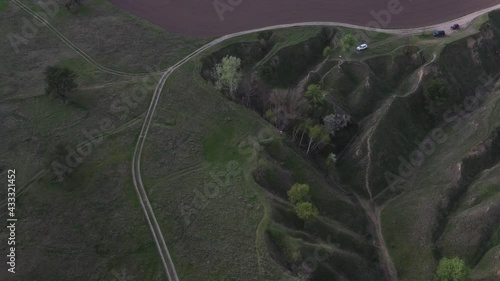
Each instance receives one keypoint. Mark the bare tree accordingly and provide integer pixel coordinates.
(277, 101)
(250, 88)
(287, 106)
(297, 105)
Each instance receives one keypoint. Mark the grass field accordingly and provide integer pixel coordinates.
(200, 148)
(90, 226)
(107, 34)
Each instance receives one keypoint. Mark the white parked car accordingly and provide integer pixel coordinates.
(362, 47)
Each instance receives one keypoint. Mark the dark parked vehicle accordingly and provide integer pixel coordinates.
(439, 33)
(455, 26)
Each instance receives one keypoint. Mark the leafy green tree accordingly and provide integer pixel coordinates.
(347, 42)
(298, 192)
(317, 136)
(59, 81)
(305, 126)
(228, 74)
(315, 95)
(452, 270)
(306, 211)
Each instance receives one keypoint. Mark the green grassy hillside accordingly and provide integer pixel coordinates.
(415, 177)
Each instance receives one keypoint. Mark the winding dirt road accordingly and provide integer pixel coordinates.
(203, 18)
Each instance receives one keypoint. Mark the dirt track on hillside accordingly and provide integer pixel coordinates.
(200, 17)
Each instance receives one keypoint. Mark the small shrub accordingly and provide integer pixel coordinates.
(436, 93)
(265, 73)
(436, 90)
(286, 245)
(326, 51)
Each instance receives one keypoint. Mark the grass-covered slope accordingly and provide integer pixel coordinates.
(90, 226)
(217, 173)
(408, 169)
(450, 207)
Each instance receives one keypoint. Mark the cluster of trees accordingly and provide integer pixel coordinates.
(319, 135)
(285, 109)
(300, 197)
(345, 43)
(316, 133)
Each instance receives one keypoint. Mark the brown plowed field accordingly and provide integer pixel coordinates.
(200, 17)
